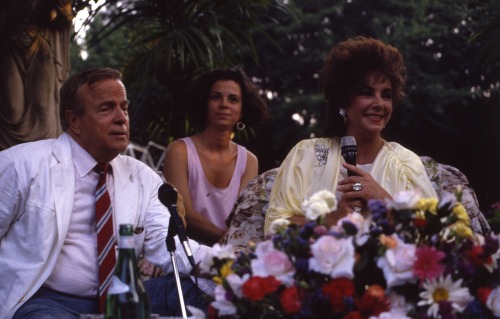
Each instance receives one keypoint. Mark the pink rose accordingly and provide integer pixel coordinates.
(271, 262)
(333, 257)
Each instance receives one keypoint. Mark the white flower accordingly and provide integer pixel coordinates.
(361, 223)
(195, 313)
(319, 204)
(492, 263)
(404, 200)
(279, 225)
(397, 263)
(224, 306)
(399, 305)
(398, 310)
(236, 282)
(493, 302)
(271, 262)
(333, 257)
(355, 218)
(393, 314)
(217, 251)
(436, 290)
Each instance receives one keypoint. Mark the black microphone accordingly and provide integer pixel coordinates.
(349, 151)
(167, 194)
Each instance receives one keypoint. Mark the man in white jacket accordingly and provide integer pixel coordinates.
(48, 240)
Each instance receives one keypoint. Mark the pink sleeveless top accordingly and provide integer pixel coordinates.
(212, 202)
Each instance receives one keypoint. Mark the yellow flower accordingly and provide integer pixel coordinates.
(461, 214)
(420, 214)
(462, 229)
(427, 204)
(225, 271)
(217, 280)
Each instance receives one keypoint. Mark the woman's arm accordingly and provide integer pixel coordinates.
(286, 194)
(251, 170)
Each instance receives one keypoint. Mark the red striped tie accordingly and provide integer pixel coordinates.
(105, 237)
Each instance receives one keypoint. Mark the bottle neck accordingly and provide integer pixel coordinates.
(126, 242)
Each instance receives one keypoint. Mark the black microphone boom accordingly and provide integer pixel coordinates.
(349, 151)
(167, 194)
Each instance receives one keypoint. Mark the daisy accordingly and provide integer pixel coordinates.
(444, 289)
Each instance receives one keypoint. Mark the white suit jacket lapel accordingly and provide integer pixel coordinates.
(62, 174)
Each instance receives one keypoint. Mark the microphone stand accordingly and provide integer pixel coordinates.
(171, 248)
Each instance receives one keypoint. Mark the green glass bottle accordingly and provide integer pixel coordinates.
(127, 298)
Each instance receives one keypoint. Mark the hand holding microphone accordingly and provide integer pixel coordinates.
(167, 194)
(349, 152)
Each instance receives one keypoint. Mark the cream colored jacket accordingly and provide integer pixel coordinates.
(300, 175)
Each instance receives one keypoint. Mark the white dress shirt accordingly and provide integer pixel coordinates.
(76, 270)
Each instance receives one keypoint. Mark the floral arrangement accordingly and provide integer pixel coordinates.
(410, 257)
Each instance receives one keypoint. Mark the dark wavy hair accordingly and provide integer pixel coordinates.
(69, 91)
(345, 72)
(254, 107)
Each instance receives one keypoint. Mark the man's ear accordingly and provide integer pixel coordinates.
(73, 121)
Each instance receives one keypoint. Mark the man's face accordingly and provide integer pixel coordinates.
(103, 129)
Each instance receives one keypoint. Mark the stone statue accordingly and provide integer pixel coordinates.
(34, 62)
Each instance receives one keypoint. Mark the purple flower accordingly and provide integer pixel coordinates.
(302, 265)
(475, 309)
(307, 230)
(320, 230)
(446, 310)
(387, 228)
(376, 231)
(349, 227)
(378, 209)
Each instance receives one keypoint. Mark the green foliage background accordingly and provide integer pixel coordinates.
(451, 111)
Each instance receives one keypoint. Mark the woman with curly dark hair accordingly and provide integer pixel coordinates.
(208, 169)
(362, 79)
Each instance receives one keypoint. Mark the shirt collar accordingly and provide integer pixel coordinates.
(84, 162)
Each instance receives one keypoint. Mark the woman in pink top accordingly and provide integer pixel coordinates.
(209, 169)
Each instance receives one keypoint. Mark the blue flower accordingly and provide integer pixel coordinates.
(302, 265)
(378, 208)
(308, 230)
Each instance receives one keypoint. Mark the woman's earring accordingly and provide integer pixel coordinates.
(342, 113)
(240, 126)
